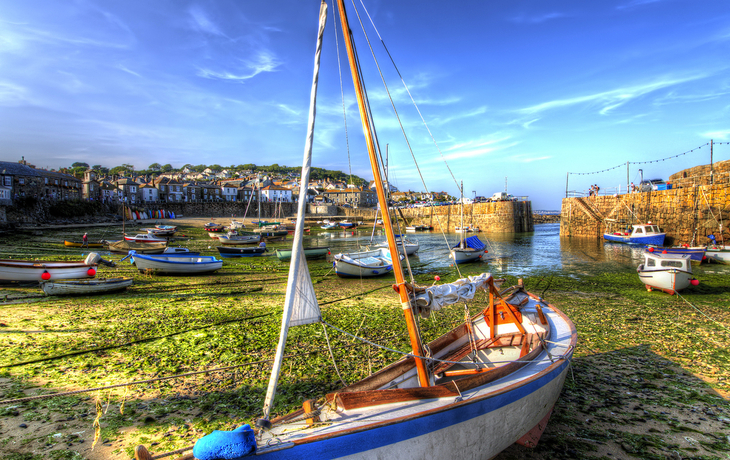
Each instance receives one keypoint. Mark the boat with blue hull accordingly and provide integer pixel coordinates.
(640, 234)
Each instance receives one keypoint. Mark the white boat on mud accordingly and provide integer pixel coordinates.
(233, 239)
(43, 270)
(86, 287)
(669, 273)
(405, 246)
(145, 238)
(365, 264)
(175, 263)
(468, 250)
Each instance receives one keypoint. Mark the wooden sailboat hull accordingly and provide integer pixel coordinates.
(480, 423)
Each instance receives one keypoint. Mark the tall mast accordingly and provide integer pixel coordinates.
(416, 346)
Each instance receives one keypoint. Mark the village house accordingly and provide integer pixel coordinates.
(169, 189)
(127, 190)
(276, 193)
(149, 193)
(355, 197)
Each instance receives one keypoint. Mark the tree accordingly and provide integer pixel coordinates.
(166, 168)
(154, 167)
(79, 164)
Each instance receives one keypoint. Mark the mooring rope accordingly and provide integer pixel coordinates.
(701, 312)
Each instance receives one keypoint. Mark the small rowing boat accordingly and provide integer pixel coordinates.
(80, 244)
(86, 287)
(175, 263)
(241, 252)
(309, 253)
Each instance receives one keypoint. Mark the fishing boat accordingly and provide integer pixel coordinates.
(162, 233)
(236, 224)
(43, 270)
(124, 246)
(640, 234)
(468, 250)
(716, 252)
(330, 226)
(466, 229)
(405, 246)
(669, 273)
(213, 227)
(418, 228)
(175, 263)
(145, 238)
(241, 252)
(86, 287)
(347, 224)
(471, 393)
(309, 253)
(233, 239)
(696, 253)
(81, 244)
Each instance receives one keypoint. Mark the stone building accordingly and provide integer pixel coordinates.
(355, 197)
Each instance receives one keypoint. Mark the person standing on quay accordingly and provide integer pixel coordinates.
(85, 240)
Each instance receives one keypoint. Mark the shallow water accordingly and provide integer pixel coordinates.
(519, 254)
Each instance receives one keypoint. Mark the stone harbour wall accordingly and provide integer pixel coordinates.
(498, 217)
(686, 214)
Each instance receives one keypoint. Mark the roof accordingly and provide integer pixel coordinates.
(17, 169)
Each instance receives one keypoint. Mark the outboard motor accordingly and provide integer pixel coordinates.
(95, 258)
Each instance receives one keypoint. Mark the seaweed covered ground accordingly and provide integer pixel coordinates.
(650, 377)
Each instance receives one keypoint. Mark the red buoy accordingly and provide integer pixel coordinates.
(91, 272)
(650, 249)
(437, 278)
(664, 251)
(45, 276)
(694, 282)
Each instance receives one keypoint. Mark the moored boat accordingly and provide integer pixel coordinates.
(309, 253)
(80, 244)
(640, 234)
(241, 252)
(468, 250)
(238, 239)
(695, 253)
(85, 287)
(718, 253)
(175, 263)
(405, 246)
(145, 238)
(124, 246)
(213, 227)
(43, 270)
(669, 273)
(363, 264)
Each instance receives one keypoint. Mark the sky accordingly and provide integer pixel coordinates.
(515, 94)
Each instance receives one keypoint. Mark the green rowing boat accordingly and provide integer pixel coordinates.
(309, 253)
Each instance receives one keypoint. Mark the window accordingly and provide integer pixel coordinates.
(672, 263)
(7, 181)
(639, 230)
(21, 180)
(45, 180)
(651, 263)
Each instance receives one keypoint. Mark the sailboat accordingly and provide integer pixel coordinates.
(468, 249)
(470, 393)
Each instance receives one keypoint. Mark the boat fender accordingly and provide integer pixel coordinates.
(226, 445)
(650, 249)
(694, 282)
(45, 276)
(91, 272)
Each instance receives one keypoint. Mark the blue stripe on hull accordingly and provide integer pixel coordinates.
(363, 441)
(656, 240)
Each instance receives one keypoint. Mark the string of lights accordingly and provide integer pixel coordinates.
(623, 165)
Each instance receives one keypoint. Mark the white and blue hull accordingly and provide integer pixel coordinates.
(176, 264)
(479, 425)
(363, 264)
(461, 256)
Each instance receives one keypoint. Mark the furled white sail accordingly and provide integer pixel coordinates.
(433, 298)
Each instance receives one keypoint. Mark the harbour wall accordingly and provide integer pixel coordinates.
(497, 217)
(686, 213)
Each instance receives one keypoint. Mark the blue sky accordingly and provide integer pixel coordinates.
(515, 92)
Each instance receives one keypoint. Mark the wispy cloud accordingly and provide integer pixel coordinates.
(722, 134)
(201, 22)
(635, 4)
(608, 101)
(538, 19)
(264, 62)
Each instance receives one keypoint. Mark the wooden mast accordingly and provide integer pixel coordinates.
(416, 346)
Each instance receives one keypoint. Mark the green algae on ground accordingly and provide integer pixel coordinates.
(633, 385)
